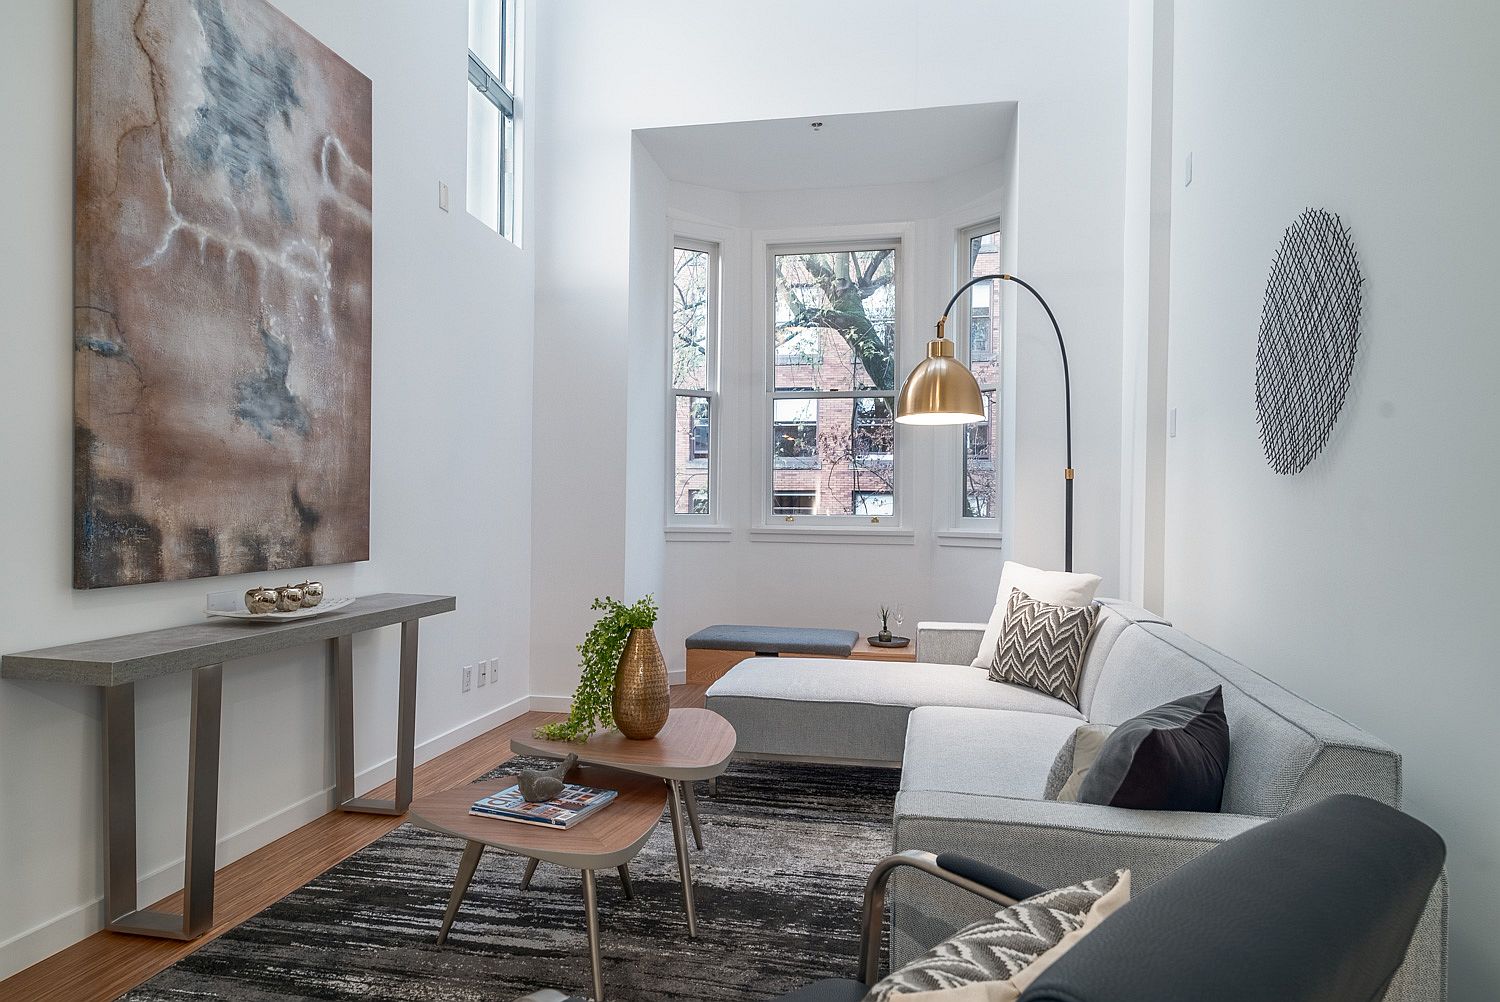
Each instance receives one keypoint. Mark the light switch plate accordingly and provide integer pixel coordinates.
(1187, 171)
(1172, 423)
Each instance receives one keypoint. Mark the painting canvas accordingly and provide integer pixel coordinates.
(222, 294)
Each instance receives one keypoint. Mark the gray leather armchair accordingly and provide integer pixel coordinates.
(1318, 905)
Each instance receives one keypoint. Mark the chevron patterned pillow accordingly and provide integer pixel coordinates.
(1001, 947)
(1041, 645)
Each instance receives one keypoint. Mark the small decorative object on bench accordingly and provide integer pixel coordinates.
(884, 636)
(889, 641)
(538, 785)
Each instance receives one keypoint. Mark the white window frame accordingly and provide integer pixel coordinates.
(769, 526)
(711, 383)
(988, 528)
(490, 82)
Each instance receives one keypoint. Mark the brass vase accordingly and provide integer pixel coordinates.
(641, 701)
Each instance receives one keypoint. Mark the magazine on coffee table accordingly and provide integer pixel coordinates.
(573, 805)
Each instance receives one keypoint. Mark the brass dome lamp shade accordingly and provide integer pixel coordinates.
(942, 391)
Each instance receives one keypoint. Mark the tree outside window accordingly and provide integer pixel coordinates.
(833, 346)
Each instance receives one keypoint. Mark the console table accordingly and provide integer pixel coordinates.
(116, 664)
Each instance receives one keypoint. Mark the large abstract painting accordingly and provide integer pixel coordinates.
(222, 294)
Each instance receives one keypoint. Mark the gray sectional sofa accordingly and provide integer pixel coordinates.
(975, 755)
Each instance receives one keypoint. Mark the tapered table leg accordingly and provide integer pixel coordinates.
(531, 863)
(684, 868)
(591, 917)
(466, 867)
(202, 812)
(690, 800)
(625, 882)
(406, 725)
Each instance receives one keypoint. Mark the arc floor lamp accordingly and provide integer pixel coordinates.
(941, 390)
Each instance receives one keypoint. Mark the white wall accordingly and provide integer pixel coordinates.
(1367, 582)
(690, 63)
(451, 493)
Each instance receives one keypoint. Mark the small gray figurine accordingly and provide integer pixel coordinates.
(539, 786)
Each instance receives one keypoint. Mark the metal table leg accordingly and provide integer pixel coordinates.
(342, 656)
(684, 869)
(591, 917)
(202, 812)
(531, 862)
(625, 882)
(466, 866)
(690, 800)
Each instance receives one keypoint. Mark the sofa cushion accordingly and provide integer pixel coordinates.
(1057, 587)
(1041, 645)
(856, 711)
(1170, 758)
(1073, 762)
(996, 753)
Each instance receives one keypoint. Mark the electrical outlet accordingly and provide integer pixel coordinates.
(1187, 171)
(1172, 423)
(468, 677)
(442, 196)
(484, 672)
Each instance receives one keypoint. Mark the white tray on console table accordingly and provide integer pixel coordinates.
(231, 605)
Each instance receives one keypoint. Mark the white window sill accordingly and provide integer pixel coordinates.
(699, 534)
(892, 536)
(970, 537)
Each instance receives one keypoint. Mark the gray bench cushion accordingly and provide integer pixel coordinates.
(853, 711)
(774, 640)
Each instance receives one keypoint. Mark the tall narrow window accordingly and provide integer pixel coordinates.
(833, 380)
(979, 485)
(492, 114)
(694, 378)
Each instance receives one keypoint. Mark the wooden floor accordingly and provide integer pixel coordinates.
(109, 964)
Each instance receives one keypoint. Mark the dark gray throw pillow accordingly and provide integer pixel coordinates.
(1171, 758)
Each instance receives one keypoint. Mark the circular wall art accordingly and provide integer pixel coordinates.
(1309, 333)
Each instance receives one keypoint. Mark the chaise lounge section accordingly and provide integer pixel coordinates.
(975, 755)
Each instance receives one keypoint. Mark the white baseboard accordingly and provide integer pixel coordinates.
(562, 704)
(58, 933)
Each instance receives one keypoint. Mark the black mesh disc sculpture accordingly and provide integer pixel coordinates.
(1309, 332)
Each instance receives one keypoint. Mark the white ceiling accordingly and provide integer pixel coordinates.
(887, 147)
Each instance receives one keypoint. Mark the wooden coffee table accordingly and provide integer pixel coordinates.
(695, 744)
(610, 838)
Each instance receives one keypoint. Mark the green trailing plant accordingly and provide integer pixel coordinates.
(599, 657)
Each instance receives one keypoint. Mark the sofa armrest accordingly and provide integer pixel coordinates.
(1046, 842)
(948, 643)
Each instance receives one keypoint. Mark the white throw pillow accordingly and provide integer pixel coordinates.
(1056, 587)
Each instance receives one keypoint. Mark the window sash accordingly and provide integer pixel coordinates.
(775, 355)
(708, 392)
(992, 314)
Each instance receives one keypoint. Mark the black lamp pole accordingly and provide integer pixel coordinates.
(1067, 400)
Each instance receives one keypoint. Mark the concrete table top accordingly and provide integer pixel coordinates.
(137, 656)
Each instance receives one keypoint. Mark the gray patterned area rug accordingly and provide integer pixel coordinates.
(787, 850)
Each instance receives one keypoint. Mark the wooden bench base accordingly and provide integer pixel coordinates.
(704, 667)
